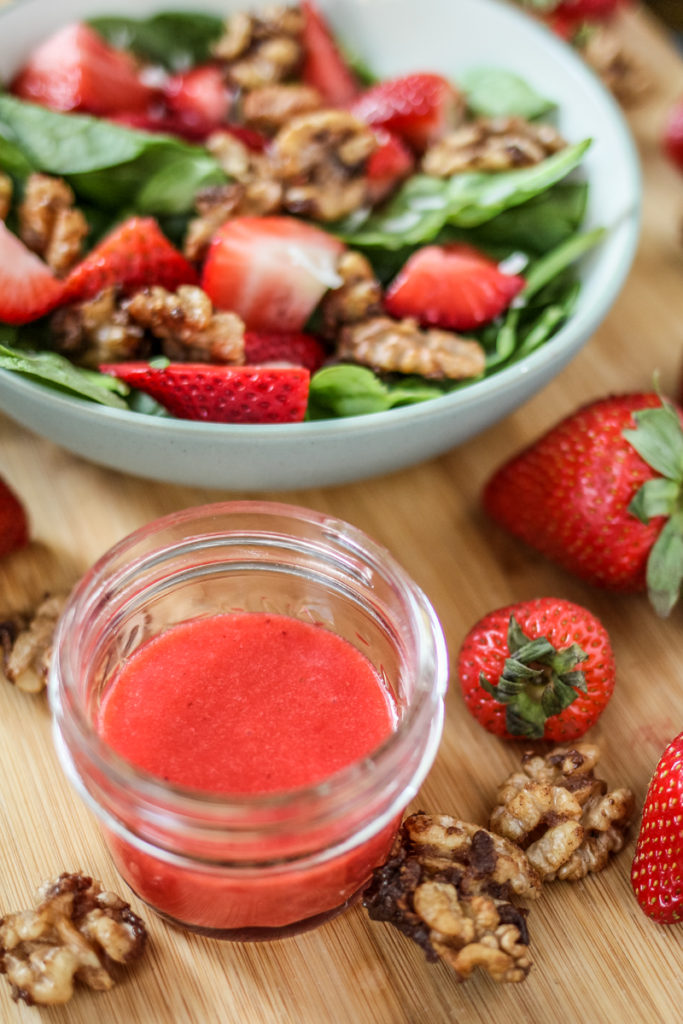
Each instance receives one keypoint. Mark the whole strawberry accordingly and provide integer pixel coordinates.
(601, 495)
(657, 871)
(541, 669)
(13, 521)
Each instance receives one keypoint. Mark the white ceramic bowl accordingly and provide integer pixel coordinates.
(395, 36)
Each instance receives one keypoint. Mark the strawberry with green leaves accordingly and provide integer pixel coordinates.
(601, 494)
(657, 870)
(540, 669)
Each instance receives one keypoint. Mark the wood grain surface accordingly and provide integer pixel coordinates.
(596, 957)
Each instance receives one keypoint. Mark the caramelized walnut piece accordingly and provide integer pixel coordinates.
(188, 326)
(217, 204)
(401, 346)
(261, 50)
(98, 331)
(77, 932)
(448, 885)
(321, 159)
(49, 224)
(272, 106)
(357, 298)
(26, 642)
(5, 194)
(561, 814)
(492, 144)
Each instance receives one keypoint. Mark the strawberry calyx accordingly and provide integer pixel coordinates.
(658, 439)
(537, 682)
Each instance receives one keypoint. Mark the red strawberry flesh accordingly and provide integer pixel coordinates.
(28, 288)
(221, 394)
(14, 531)
(324, 67)
(295, 348)
(673, 136)
(419, 107)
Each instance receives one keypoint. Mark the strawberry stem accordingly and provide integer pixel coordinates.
(538, 681)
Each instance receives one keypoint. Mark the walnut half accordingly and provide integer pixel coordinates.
(561, 814)
(26, 644)
(77, 932)
(448, 885)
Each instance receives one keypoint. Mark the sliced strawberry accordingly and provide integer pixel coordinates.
(388, 165)
(420, 107)
(272, 271)
(221, 394)
(28, 288)
(14, 529)
(452, 286)
(75, 69)
(673, 135)
(135, 254)
(199, 99)
(324, 67)
(293, 347)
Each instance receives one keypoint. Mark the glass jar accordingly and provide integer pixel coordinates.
(248, 867)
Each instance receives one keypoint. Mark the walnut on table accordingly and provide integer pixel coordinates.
(99, 330)
(49, 223)
(26, 643)
(621, 72)
(492, 144)
(5, 194)
(402, 346)
(321, 159)
(188, 326)
(447, 885)
(561, 814)
(261, 50)
(76, 932)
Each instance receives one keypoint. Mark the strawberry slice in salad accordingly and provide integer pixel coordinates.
(419, 108)
(28, 288)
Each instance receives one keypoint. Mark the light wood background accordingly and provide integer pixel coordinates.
(597, 958)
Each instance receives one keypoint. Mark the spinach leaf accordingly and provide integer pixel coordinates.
(175, 39)
(347, 390)
(55, 371)
(541, 223)
(107, 164)
(424, 205)
(494, 92)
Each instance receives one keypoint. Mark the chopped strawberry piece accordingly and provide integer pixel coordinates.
(199, 99)
(293, 347)
(589, 10)
(272, 271)
(14, 531)
(28, 288)
(324, 67)
(420, 107)
(389, 164)
(451, 286)
(134, 255)
(75, 69)
(221, 394)
(673, 136)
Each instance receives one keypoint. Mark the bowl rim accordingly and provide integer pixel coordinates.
(577, 329)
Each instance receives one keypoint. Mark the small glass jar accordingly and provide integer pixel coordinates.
(248, 867)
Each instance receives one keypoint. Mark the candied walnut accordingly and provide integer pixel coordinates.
(219, 203)
(401, 346)
(357, 298)
(561, 814)
(620, 71)
(99, 330)
(272, 106)
(321, 159)
(5, 194)
(26, 641)
(49, 223)
(77, 932)
(492, 144)
(448, 885)
(261, 50)
(188, 326)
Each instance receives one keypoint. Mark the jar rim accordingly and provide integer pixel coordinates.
(186, 801)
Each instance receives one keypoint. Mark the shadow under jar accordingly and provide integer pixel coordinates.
(248, 866)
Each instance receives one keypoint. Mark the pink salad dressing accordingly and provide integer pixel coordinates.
(247, 703)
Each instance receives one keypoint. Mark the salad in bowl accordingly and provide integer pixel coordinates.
(249, 218)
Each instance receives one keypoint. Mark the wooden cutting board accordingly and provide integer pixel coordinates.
(596, 957)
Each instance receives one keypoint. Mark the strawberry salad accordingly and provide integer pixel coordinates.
(235, 221)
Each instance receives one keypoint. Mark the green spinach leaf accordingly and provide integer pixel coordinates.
(175, 39)
(494, 92)
(347, 390)
(55, 371)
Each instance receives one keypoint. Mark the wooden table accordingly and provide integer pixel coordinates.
(596, 957)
